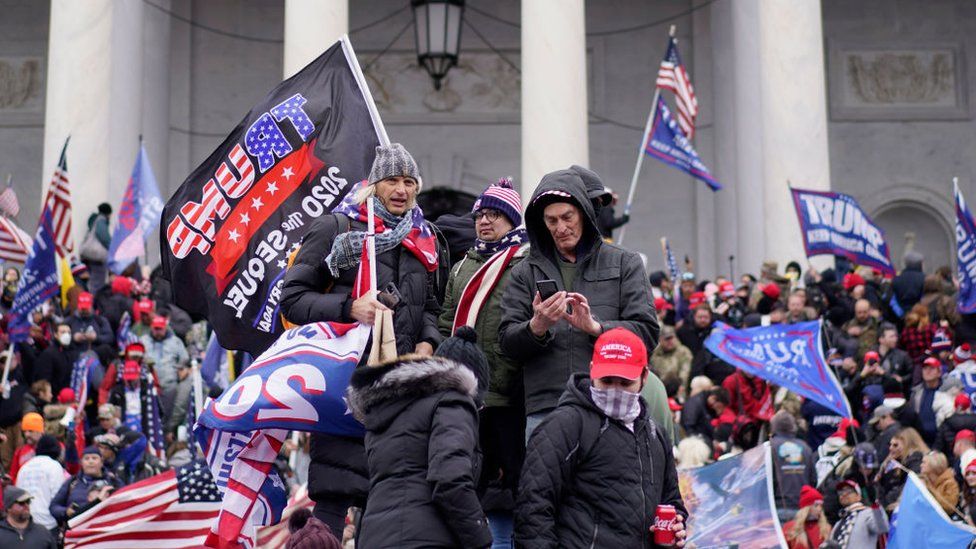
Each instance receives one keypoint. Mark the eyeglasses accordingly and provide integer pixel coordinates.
(488, 213)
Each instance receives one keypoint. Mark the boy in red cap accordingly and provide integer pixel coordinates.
(599, 454)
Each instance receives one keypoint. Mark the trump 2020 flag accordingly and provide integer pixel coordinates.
(39, 282)
(226, 233)
(668, 144)
(919, 521)
(138, 215)
(965, 254)
(834, 224)
(789, 355)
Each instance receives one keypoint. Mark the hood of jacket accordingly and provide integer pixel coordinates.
(559, 186)
(376, 395)
(578, 394)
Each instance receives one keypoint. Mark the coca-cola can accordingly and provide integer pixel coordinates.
(664, 519)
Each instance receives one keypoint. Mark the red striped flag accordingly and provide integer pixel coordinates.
(172, 510)
(476, 291)
(673, 76)
(15, 244)
(58, 201)
(275, 537)
(8, 202)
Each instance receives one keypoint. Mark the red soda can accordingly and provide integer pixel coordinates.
(664, 519)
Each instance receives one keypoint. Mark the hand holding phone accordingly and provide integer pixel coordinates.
(547, 288)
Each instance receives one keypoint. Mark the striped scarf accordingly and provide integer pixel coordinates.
(515, 237)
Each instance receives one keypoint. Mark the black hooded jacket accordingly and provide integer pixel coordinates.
(588, 481)
(421, 437)
(612, 279)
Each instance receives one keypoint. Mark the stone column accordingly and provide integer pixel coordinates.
(311, 26)
(94, 94)
(554, 86)
(771, 123)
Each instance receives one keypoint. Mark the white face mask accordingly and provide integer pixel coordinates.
(64, 339)
(617, 403)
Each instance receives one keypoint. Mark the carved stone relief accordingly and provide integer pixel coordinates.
(897, 83)
(20, 85)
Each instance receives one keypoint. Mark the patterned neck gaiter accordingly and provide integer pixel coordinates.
(617, 404)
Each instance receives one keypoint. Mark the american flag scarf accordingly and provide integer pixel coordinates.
(477, 290)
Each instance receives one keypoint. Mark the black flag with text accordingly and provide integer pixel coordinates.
(226, 233)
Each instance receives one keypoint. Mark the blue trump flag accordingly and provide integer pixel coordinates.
(139, 214)
(965, 254)
(668, 144)
(919, 521)
(39, 281)
(789, 355)
(834, 224)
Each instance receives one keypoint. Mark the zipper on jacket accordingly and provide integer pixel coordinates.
(644, 529)
(596, 530)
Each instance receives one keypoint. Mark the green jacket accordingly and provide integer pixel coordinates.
(504, 373)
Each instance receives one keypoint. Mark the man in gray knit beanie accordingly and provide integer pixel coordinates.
(395, 178)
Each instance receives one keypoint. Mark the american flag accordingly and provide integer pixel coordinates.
(8, 201)
(79, 383)
(15, 244)
(673, 270)
(125, 336)
(672, 76)
(58, 201)
(173, 510)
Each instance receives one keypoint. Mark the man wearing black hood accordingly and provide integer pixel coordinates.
(599, 286)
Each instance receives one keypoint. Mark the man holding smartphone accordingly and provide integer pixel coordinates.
(598, 286)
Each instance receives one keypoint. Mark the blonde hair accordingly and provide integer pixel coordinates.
(912, 440)
(797, 535)
(700, 384)
(938, 463)
(693, 452)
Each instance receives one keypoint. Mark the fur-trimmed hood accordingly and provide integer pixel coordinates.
(406, 379)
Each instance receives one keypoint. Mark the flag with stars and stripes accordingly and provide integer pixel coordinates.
(125, 337)
(673, 271)
(227, 232)
(672, 76)
(9, 205)
(15, 244)
(58, 205)
(173, 509)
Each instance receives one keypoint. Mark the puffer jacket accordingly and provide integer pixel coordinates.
(504, 372)
(611, 278)
(588, 481)
(310, 294)
(421, 437)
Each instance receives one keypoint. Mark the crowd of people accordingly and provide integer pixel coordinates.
(546, 392)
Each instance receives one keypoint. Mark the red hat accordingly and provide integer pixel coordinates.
(852, 280)
(662, 304)
(696, 299)
(971, 466)
(727, 289)
(144, 305)
(771, 290)
(122, 285)
(85, 301)
(962, 353)
(131, 370)
(159, 321)
(963, 402)
(618, 353)
(673, 405)
(964, 434)
(931, 362)
(809, 495)
(66, 396)
(843, 426)
(871, 356)
(135, 347)
(848, 483)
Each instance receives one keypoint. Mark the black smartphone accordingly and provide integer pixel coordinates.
(547, 288)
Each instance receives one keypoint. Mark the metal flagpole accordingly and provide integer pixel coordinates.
(371, 245)
(640, 151)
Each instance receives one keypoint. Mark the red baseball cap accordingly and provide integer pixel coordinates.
(871, 356)
(727, 289)
(931, 362)
(771, 290)
(131, 370)
(849, 484)
(85, 301)
(144, 305)
(696, 299)
(158, 321)
(618, 353)
(964, 434)
(852, 280)
(844, 425)
(662, 304)
(963, 402)
(66, 396)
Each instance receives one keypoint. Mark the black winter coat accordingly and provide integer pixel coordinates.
(952, 425)
(696, 418)
(588, 481)
(421, 438)
(55, 364)
(338, 464)
(907, 287)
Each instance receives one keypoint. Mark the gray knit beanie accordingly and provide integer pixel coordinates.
(393, 161)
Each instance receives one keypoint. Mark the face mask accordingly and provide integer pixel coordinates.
(64, 339)
(617, 403)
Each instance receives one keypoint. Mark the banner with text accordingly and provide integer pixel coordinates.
(834, 224)
(965, 255)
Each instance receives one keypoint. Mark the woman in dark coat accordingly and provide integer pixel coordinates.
(317, 288)
(421, 436)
